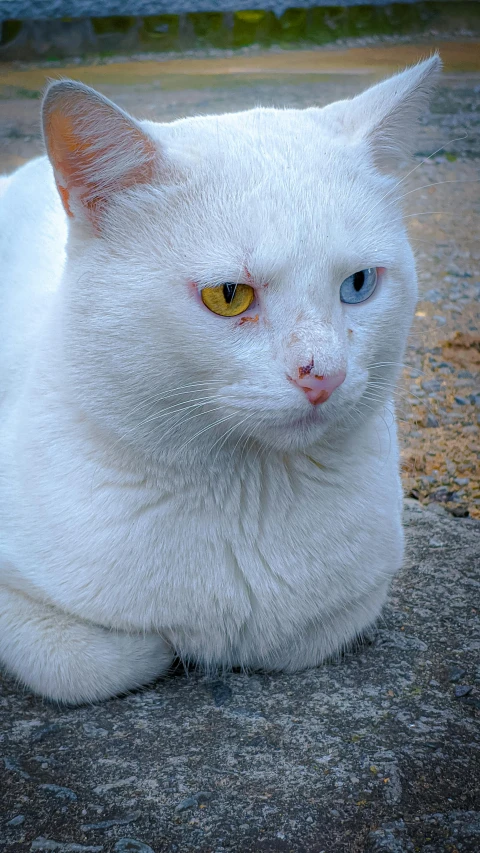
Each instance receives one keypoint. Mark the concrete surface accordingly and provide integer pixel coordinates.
(378, 751)
(375, 752)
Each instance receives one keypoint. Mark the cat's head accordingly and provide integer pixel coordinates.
(234, 276)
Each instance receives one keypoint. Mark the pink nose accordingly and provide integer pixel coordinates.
(318, 388)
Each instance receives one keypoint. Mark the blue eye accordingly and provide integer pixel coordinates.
(359, 286)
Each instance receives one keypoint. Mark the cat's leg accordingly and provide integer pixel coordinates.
(68, 660)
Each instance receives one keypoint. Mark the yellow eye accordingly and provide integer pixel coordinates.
(228, 299)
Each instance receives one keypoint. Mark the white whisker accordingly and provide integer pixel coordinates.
(425, 160)
(427, 186)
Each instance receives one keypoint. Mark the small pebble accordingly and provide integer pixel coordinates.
(461, 401)
(460, 511)
(436, 543)
(196, 800)
(462, 481)
(462, 690)
(432, 421)
(455, 673)
(107, 824)
(189, 803)
(60, 792)
(431, 385)
(16, 821)
(441, 495)
(131, 845)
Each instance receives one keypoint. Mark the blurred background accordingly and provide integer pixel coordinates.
(163, 59)
(57, 29)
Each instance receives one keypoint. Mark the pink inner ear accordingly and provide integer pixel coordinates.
(65, 196)
(95, 150)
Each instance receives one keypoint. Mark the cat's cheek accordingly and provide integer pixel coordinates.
(247, 319)
(254, 315)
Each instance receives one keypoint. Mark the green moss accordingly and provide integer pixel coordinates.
(293, 25)
(209, 29)
(254, 27)
(364, 20)
(402, 19)
(161, 32)
(206, 24)
(251, 17)
(32, 94)
(326, 24)
(9, 31)
(355, 738)
(117, 24)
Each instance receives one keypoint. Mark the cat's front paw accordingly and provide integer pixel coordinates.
(71, 661)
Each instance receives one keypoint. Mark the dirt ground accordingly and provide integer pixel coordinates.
(439, 397)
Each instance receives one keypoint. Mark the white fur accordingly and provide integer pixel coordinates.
(134, 527)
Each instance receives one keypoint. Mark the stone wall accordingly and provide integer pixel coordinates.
(33, 9)
(56, 29)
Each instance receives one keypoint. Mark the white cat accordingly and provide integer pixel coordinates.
(196, 353)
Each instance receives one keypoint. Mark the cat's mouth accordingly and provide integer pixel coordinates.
(296, 432)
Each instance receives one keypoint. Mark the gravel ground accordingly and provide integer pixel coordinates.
(439, 400)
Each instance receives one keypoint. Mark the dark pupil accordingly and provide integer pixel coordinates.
(359, 280)
(229, 292)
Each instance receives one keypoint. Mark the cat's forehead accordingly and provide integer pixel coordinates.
(257, 140)
(278, 180)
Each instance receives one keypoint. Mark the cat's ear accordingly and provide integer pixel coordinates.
(384, 116)
(95, 148)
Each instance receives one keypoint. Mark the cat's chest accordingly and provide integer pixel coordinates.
(215, 556)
